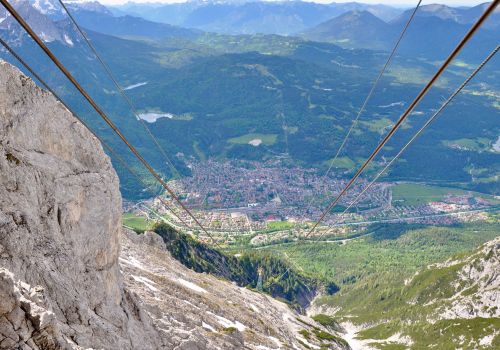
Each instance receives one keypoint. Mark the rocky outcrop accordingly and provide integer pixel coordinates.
(201, 311)
(60, 219)
(476, 287)
(61, 286)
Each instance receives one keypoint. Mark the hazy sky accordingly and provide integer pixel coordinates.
(388, 2)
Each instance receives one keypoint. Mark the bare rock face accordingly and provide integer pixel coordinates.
(198, 311)
(60, 222)
(476, 286)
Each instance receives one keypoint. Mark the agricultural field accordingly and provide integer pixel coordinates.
(418, 194)
(136, 222)
(479, 144)
(279, 225)
(377, 125)
(342, 162)
(413, 75)
(266, 139)
(413, 194)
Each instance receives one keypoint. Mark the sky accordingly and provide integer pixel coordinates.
(397, 3)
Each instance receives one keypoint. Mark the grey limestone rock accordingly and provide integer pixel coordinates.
(60, 222)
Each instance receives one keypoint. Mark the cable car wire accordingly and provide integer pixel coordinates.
(415, 136)
(104, 144)
(374, 86)
(419, 132)
(119, 88)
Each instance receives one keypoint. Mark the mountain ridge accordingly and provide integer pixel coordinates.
(250, 17)
(431, 34)
(344, 30)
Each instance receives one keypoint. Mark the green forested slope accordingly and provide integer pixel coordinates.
(387, 288)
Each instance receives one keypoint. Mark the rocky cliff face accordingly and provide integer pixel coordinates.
(60, 230)
(448, 305)
(60, 218)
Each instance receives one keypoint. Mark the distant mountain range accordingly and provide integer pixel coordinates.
(462, 15)
(249, 17)
(49, 19)
(434, 31)
(124, 26)
(281, 17)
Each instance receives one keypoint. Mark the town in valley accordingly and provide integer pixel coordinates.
(268, 203)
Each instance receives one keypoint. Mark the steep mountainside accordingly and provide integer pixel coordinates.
(449, 305)
(205, 312)
(49, 30)
(66, 282)
(467, 287)
(297, 289)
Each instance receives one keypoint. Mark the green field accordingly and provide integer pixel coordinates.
(412, 75)
(342, 162)
(417, 194)
(279, 225)
(377, 125)
(477, 145)
(196, 147)
(267, 139)
(136, 222)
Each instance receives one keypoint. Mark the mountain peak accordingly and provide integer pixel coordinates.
(354, 29)
(37, 15)
(438, 10)
(362, 15)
